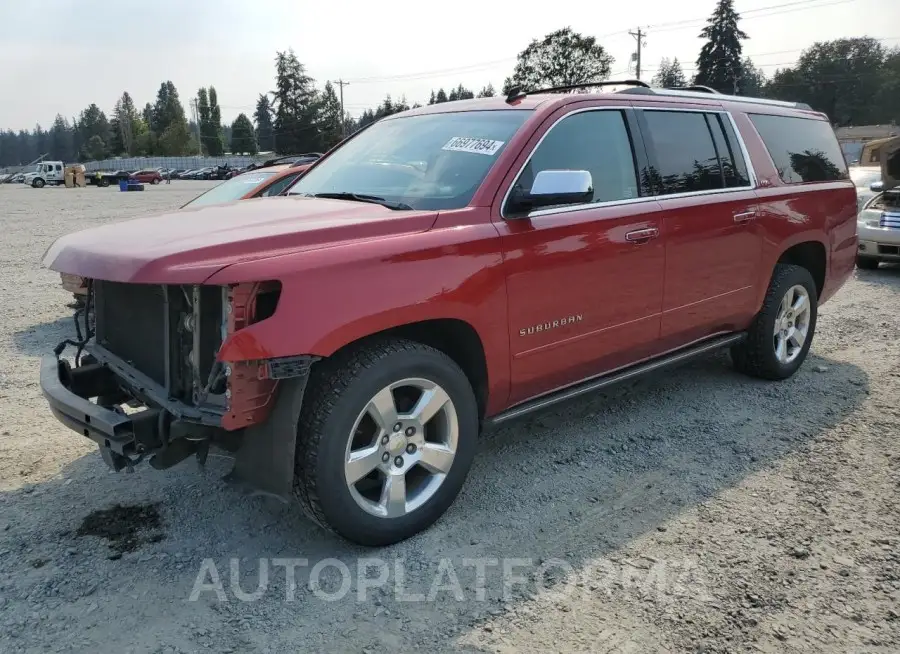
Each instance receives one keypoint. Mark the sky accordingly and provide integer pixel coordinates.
(59, 56)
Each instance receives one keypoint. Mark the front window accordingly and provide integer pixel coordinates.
(234, 189)
(430, 161)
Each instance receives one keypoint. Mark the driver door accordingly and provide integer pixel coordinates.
(584, 282)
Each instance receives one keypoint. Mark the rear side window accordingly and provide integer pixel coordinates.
(595, 141)
(684, 152)
(803, 149)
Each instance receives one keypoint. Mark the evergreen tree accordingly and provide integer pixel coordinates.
(487, 92)
(753, 79)
(215, 143)
(296, 107)
(460, 93)
(123, 123)
(94, 133)
(264, 129)
(243, 140)
(720, 64)
(331, 119)
(203, 111)
(669, 74)
(61, 140)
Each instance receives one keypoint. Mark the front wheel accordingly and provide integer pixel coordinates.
(37, 183)
(386, 438)
(154, 182)
(104, 182)
(779, 338)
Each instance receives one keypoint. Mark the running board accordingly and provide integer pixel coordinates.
(610, 379)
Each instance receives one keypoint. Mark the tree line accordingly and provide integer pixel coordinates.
(856, 81)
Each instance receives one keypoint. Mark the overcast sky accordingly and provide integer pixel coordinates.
(58, 56)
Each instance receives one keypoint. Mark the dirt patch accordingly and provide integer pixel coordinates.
(125, 527)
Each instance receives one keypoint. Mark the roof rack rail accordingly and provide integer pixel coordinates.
(693, 87)
(517, 93)
(690, 92)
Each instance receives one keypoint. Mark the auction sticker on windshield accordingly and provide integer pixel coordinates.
(476, 146)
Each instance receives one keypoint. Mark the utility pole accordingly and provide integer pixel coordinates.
(341, 83)
(639, 35)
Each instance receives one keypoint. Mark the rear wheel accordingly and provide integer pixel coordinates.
(779, 338)
(104, 182)
(867, 263)
(154, 181)
(386, 437)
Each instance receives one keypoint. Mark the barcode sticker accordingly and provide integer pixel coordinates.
(475, 146)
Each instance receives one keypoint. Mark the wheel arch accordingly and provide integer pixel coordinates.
(811, 255)
(455, 337)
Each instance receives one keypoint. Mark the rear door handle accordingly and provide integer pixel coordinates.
(744, 216)
(641, 235)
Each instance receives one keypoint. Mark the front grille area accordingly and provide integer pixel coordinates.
(132, 320)
(130, 323)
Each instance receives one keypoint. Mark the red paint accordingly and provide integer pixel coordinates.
(349, 270)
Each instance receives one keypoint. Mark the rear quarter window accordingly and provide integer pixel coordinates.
(803, 149)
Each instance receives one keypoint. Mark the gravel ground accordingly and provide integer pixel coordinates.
(701, 511)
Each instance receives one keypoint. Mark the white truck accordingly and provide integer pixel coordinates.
(46, 172)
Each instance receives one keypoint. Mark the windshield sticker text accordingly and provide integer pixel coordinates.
(476, 146)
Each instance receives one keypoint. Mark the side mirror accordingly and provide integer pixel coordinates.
(876, 187)
(554, 188)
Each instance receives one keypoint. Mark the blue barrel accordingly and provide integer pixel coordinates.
(123, 184)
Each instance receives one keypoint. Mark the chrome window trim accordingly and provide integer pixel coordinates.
(751, 171)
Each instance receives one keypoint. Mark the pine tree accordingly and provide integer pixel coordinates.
(669, 75)
(331, 119)
(440, 97)
(487, 92)
(719, 65)
(243, 140)
(263, 118)
(296, 107)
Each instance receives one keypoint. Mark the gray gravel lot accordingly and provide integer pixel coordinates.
(699, 511)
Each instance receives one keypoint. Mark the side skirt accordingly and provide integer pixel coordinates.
(610, 379)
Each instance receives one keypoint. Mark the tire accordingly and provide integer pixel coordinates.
(104, 182)
(37, 183)
(758, 356)
(867, 263)
(335, 418)
(154, 182)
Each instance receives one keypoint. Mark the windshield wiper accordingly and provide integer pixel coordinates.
(357, 197)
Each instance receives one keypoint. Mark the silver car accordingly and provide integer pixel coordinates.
(878, 222)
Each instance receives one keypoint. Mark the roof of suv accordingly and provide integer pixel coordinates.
(534, 99)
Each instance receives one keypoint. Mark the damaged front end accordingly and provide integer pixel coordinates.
(146, 380)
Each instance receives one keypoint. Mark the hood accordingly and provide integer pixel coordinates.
(187, 246)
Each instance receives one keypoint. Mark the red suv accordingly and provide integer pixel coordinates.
(447, 269)
(147, 176)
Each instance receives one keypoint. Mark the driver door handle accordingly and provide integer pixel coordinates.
(642, 235)
(744, 216)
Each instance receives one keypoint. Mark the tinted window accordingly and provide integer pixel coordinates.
(803, 149)
(596, 141)
(684, 151)
(733, 163)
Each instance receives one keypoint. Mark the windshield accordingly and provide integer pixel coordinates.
(431, 161)
(234, 189)
(865, 176)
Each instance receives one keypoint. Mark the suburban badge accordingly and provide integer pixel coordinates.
(547, 326)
